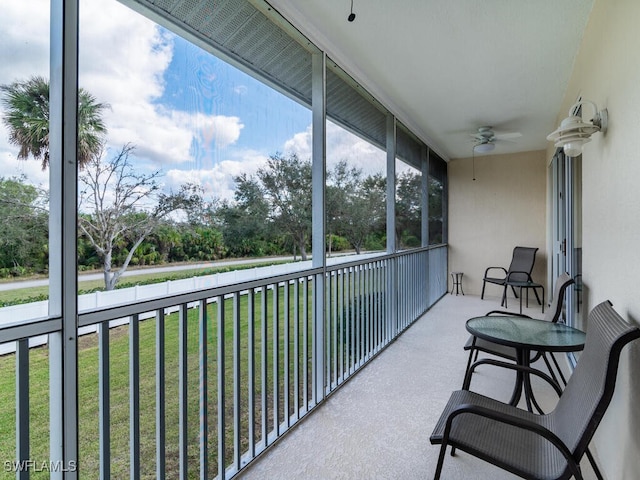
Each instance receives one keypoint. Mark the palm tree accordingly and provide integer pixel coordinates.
(27, 117)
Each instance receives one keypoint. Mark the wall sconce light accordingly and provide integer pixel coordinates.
(573, 132)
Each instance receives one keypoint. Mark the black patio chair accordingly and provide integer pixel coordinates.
(519, 271)
(554, 312)
(546, 446)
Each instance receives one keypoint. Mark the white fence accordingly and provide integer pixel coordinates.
(28, 311)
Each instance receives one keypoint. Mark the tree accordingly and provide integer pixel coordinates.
(286, 184)
(27, 118)
(349, 212)
(23, 227)
(436, 192)
(245, 225)
(123, 208)
(408, 209)
(367, 212)
(168, 239)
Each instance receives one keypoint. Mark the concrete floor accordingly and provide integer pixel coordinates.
(377, 426)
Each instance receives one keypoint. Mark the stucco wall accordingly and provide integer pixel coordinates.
(505, 206)
(607, 71)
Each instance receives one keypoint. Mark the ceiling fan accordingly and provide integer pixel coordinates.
(485, 139)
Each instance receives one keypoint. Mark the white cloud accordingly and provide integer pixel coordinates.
(122, 62)
(217, 182)
(122, 55)
(341, 145)
(123, 59)
(24, 43)
(300, 144)
(24, 52)
(213, 130)
(11, 167)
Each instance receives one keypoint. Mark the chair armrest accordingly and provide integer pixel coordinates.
(486, 272)
(529, 279)
(512, 420)
(510, 314)
(511, 366)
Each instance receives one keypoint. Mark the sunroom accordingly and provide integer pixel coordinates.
(211, 376)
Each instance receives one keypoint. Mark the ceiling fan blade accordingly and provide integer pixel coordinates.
(485, 136)
(508, 136)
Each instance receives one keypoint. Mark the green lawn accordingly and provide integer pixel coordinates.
(119, 384)
(119, 398)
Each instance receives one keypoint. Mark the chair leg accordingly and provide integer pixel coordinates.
(484, 284)
(551, 372)
(466, 372)
(564, 380)
(443, 449)
(535, 290)
(594, 465)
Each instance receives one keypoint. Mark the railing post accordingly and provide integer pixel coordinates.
(104, 404)
(22, 406)
(203, 365)
(183, 391)
(425, 221)
(392, 286)
(134, 397)
(318, 217)
(221, 388)
(160, 396)
(424, 197)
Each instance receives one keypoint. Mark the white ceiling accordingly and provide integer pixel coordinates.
(447, 67)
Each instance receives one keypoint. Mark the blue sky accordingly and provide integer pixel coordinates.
(198, 80)
(187, 112)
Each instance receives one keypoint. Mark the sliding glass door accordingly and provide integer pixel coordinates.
(567, 231)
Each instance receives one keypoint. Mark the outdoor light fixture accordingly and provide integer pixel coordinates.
(573, 132)
(484, 147)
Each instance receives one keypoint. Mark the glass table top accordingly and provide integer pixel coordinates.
(527, 333)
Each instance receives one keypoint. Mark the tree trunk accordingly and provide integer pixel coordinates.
(303, 249)
(110, 280)
(106, 268)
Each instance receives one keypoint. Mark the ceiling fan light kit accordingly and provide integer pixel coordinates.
(574, 132)
(484, 147)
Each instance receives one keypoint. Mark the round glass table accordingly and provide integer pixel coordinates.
(526, 335)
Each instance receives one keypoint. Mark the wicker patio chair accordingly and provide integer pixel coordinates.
(519, 270)
(546, 446)
(554, 312)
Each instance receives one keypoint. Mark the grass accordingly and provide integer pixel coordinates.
(88, 361)
(119, 386)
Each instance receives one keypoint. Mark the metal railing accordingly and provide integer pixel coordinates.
(215, 376)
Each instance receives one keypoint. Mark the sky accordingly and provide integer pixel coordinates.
(188, 113)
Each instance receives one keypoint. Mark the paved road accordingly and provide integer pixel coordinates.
(168, 268)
